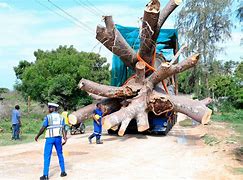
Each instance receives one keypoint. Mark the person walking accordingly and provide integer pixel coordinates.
(54, 126)
(65, 114)
(97, 118)
(16, 123)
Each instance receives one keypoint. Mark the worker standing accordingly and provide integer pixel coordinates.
(65, 116)
(54, 126)
(16, 123)
(97, 117)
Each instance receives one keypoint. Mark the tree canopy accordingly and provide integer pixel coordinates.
(55, 74)
(202, 25)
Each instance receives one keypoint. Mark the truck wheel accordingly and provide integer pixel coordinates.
(82, 129)
(110, 131)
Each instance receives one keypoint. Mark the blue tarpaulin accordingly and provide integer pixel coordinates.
(165, 44)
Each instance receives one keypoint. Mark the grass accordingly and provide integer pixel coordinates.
(235, 170)
(186, 123)
(5, 139)
(30, 127)
(210, 140)
(88, 122)
(235, 118)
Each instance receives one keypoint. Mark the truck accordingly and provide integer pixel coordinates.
(166, 47)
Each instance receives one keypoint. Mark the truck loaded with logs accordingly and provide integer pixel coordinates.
(144, 88)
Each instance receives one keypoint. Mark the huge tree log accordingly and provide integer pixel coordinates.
(164, 14)
(135, 110)
(166, 70)
(112, 39)
(149, 26)
(139, 96)
(195, 109)
(110, 104)
(109, 91)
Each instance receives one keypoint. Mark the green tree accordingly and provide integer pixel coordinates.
(19, 70)
(55, 74)
(238, 95)
(239, 71)
(202, 25)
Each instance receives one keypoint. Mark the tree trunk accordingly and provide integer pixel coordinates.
(166, 11)
(112, 39)
(110, 104)
(108, 91)
(140, 73)
(149, 26)
(193, 108)
(166, 70)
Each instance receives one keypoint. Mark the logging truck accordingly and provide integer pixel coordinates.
(144, 88)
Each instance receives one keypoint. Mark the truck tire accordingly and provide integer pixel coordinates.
(82, 129)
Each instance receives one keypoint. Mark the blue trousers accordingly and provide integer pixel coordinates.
(15, 131)
(57, 142)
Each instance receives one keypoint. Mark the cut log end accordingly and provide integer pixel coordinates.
(107, 125)
(177, 2)
(114, 128)
(153, 6)
(195, 57)
(206, 117)
(121, 132)
(80, 84)
(72, 119)
(143, 128)
(140, 65)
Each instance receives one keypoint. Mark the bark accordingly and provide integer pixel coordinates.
(110, 104)
(135, 110)
(178, 53)
(149, 26)
(166, 70)
(206, 101)
(193, 108)
(164, 14)
(112, 39)
(160, 103)
(96, 97)
(108, 91)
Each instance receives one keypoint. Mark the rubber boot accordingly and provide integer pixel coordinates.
(90, 138)
(63, 174)
(44, 177)
(98, 141)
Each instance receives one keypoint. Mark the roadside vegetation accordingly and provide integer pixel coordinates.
(31, 121)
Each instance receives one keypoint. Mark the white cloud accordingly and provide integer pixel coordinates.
(5, 5)
(232, 48)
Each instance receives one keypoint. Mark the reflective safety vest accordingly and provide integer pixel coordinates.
(55, 125)
(65, 116)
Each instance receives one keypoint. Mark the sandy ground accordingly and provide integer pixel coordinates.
(179, 155)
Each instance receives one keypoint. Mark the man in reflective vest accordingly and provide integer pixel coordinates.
(54, 126)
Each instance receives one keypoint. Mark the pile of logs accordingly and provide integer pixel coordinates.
(143, 92)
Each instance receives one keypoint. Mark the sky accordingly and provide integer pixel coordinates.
(29, 25)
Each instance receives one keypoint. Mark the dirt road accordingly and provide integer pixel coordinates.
(180, 155)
